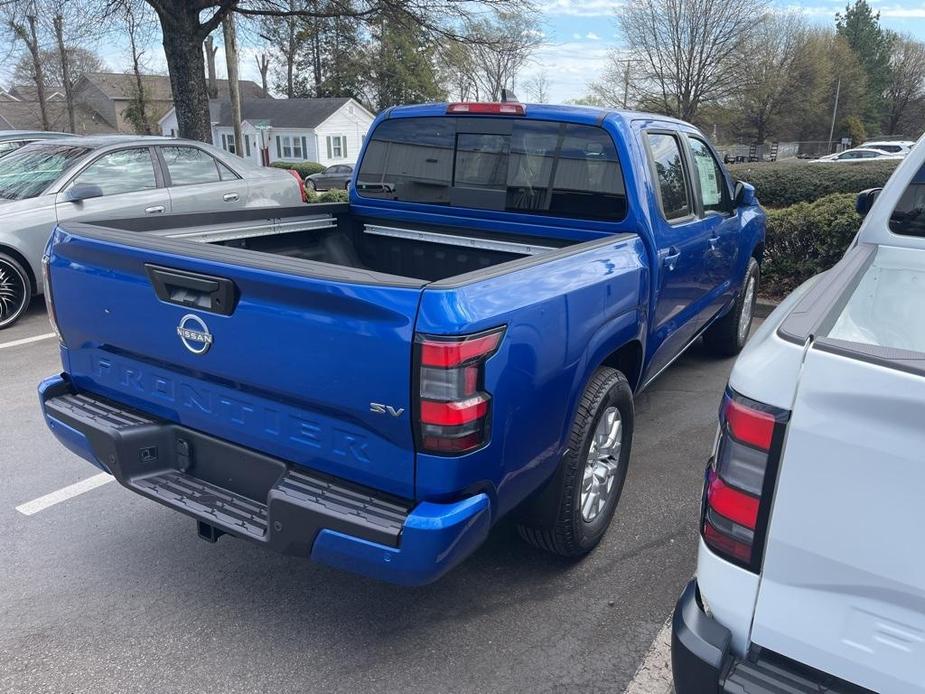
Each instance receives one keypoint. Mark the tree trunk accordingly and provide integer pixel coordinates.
(183, 40)
(32, 42)
(211, 50)
(263, 64)
(58, 22)
(231, 59)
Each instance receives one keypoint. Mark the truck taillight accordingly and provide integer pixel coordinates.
(740, 479)
(49, 299)
(453, 409)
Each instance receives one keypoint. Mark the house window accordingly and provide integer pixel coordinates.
(173, 132)
(337, 146)
(228, 142)
(247, 145)
(290, 147)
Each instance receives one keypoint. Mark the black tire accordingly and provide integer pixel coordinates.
(553, 519)
(15, 291)
(725, 338)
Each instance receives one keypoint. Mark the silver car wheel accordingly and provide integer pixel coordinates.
(602, 464)
(12, 293)
(745, 320)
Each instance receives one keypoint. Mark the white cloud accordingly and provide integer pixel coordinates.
(886, 11)
(569, 66)
(581, 8)
(591, 36)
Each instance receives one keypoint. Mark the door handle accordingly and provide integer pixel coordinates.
(670, 258)
(154, 209)
(230, 197)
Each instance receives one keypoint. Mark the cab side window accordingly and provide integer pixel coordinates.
(710, 176)
(122, 171)
(671, 176)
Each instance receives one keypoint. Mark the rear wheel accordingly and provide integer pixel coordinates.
(570, 516)
(15, 291)
(727, 336)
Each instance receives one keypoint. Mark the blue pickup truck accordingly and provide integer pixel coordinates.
(375, 384)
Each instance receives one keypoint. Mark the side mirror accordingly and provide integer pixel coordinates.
(866, 200)
(83, 191)
(744, 195)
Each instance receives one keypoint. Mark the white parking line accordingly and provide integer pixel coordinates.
(653, 676)
(31, 507)
(25, 340)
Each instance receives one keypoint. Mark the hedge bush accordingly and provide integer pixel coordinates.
(779, 184)
(305, 168)
(805, 239)
(333, 195)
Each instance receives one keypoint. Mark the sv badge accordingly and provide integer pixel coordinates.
(379, 408)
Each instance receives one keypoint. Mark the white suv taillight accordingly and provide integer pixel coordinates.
(453, 411)
(49, 299)
(740, 479)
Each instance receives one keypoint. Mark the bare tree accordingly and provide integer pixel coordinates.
(538, 87)
(23, 23)
(907, 78)
(263, 64)
(65, 72)
(500, 46)
(686, 49)
(767, 64)
(211, 50)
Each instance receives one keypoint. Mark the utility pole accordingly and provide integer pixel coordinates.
(626, 83)
(231, 58)
(834, 112)
(58, 22)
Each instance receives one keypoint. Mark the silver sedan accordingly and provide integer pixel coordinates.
(114, 177)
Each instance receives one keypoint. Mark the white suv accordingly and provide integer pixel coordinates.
(811, 566)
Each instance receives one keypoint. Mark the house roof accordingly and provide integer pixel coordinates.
(25, 115)
(117, 85)
(280, 113)
(28, 92)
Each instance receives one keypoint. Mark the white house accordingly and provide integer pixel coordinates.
(328, 131)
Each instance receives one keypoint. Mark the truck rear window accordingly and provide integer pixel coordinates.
(537, 167)
(909, 216)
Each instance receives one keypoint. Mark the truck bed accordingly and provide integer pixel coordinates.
(329, 234)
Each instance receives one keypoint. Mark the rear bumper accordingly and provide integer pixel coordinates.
(702, 662)
(232, 490)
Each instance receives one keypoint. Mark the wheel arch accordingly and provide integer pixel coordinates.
(626, 359)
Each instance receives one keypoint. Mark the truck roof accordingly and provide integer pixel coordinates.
(564, 112)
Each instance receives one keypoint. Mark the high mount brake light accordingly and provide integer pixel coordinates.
(453, 410)
(740, 478)
(502, 108)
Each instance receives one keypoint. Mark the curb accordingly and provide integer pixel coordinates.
(764, 307)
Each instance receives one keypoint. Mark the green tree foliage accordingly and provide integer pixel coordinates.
(859, 25)
(401, 62)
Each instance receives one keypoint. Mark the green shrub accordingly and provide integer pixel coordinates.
(805, 239)
(305, 168)
(779, 184)
(333, 195)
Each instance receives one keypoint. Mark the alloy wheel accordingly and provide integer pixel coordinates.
(12, 293)
(602, 464)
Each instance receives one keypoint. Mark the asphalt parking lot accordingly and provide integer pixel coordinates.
(110, 592)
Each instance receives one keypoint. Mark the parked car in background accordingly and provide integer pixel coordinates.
(810, 574)
(336, 176)
(11, 140)
(113, 177)
(902, 147)
(375, 384)
(858, 154)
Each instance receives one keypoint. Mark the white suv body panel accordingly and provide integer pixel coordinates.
(842, 582)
